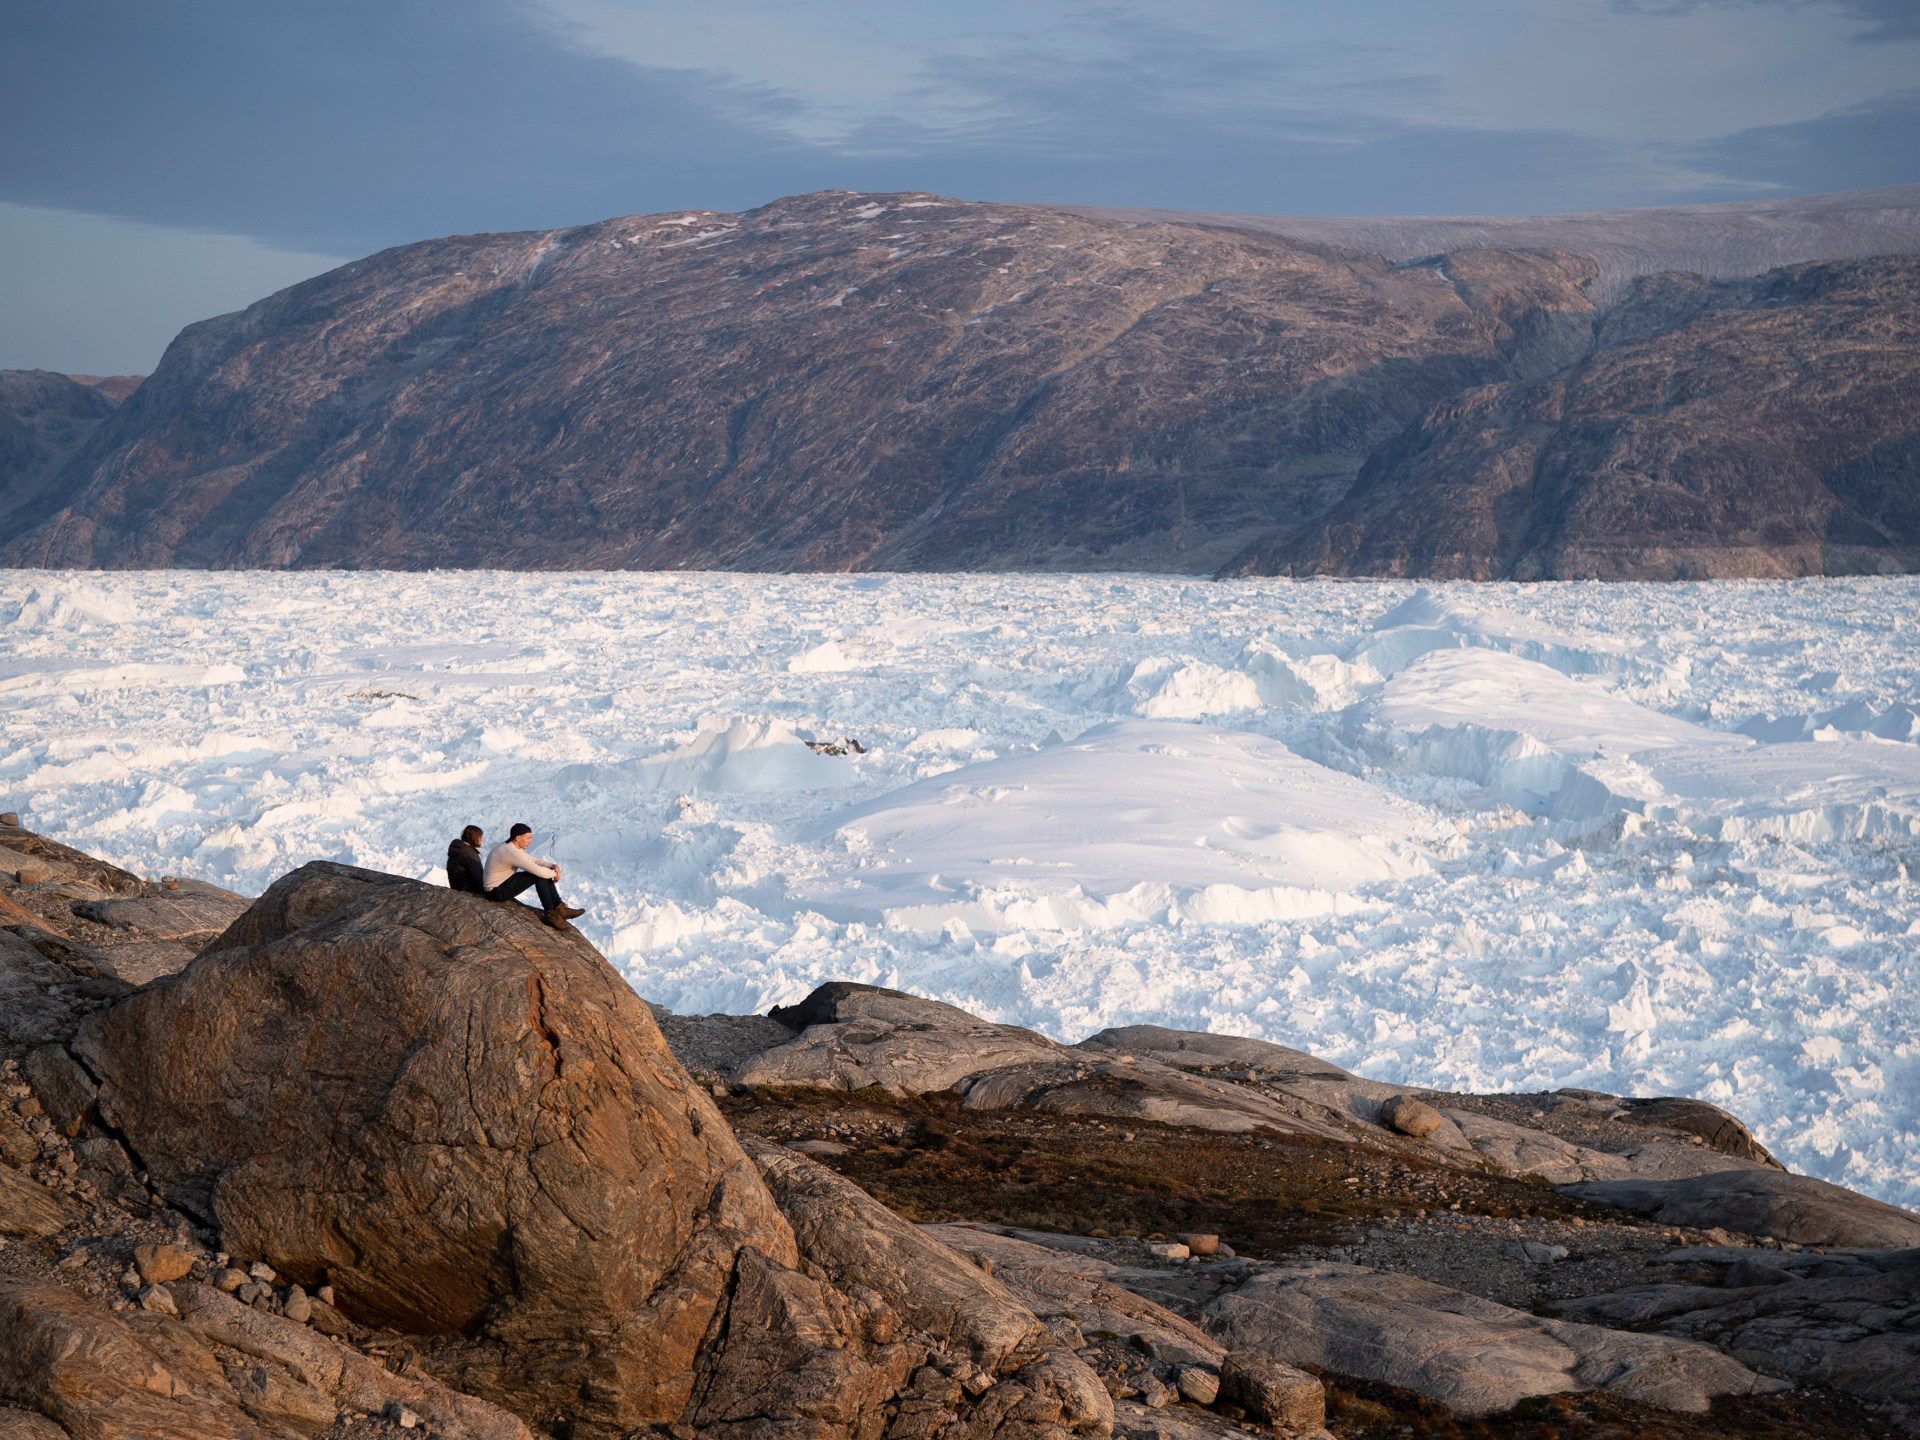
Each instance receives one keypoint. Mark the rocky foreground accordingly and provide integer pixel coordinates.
(364, 1156)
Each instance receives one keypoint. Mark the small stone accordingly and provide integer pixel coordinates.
(1155, 1394)
(26, 1107)
(253, 1292)
(1536, 1252)
(402, 1416)
(718, 1090)
(227, 1280)
(1225, 1251)
(161, 1264)
(262, 1272)
(1167, 1250)
(1410, 1117)
(298, 1307)
(324, 1294)
(1196, 1384)
(159, 1300)
(9, 817)
(30, 875)
(1201, 1244)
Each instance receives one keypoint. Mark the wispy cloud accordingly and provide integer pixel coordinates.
(1879, 21)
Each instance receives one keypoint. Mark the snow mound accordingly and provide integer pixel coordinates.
(1312, 682)
(826, 658)
(1573, 751)
(1809, 791)
(1581, 720)
(21, 678)
(70, 607)
(1138, 817)
(1165, 689)
(1428, 620)
(1855, 719)
(743, 755)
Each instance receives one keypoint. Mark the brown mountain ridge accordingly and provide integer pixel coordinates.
(843, 381)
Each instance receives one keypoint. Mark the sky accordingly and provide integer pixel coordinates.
(160, 163)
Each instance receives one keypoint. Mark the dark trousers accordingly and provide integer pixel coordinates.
(522, 881)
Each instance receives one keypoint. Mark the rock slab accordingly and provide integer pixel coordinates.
(1765, 1202)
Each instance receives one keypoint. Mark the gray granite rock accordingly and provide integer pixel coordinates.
(188, 910)
(1855, 1327)
(849, 1037)
(1474, 1356)
(1759, 1201)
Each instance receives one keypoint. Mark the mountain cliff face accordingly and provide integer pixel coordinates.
(833, 381)
(1762, 427)
(844, 381)
(44, 418)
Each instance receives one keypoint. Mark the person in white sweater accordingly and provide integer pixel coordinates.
(512, 871)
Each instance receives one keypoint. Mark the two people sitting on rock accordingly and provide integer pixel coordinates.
(509, 871)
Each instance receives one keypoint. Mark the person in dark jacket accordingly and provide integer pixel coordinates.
(464, 870)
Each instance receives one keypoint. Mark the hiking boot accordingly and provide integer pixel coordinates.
(557, 917)
(568, 912)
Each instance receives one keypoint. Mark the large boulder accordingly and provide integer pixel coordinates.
(463, 1120)
(1767, 1202)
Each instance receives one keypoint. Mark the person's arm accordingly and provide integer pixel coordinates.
(532, 864)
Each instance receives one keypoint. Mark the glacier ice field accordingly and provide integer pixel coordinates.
(1648, 839)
